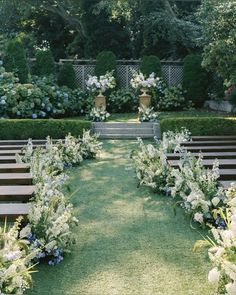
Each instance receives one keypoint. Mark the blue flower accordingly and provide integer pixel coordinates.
(43, 105)
(34, 116)
(48, 109)
(18, 113)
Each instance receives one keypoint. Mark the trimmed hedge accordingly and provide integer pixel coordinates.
(105, 62)
(202, 125)
(151, 64)
(40, 129)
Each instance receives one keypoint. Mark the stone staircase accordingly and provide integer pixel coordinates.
(120, 130)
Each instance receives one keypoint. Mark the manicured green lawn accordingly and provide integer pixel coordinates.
(128, 241)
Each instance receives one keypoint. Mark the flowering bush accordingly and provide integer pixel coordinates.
(101, 83)
(39, 99)
(122, 100)
(166, 98)
(51, 217)
(15, 261)
(151, 167)
(147, 114)
(196, 188)
(98, 114)
(140, 81)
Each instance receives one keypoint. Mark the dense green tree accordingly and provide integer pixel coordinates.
(45, 64)
(196, 80)
(66, 76)
(15, 59)
(217, 18)
(105, 62)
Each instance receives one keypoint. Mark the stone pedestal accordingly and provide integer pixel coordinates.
(100, 101)
(145, 100)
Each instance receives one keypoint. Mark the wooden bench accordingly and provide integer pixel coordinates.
(216, 137)
(25, 142)
(226, 148)
(223, 163)
(18, 193)
(14, 168)
(226, 183)
(206, 155)
(210, 143)
(15, 179)
(7, 159)
(12, 210)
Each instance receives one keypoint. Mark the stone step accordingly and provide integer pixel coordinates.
(125, 136)
(115, 131)
(118, 125)
(10, 152)
(216, 137)
(16, 147)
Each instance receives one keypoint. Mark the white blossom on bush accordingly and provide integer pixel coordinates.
(140, 81)
(101, 83)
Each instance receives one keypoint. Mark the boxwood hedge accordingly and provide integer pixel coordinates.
(40, 129)
(201, 125)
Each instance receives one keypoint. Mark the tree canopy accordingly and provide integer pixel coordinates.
(129, 28)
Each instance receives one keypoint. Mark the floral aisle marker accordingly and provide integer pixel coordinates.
(49, 232)
(98, 114)
(147, 114)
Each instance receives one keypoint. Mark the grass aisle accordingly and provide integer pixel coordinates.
(129, 241)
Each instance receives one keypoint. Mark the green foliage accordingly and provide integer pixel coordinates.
(166, 98)
(45, 64)
(66, 76)
(122, 101)
(15, 59)
(40, 129)
(195, 79)
(201, 126)
(106, 62)
(151, 64)
(217, 19)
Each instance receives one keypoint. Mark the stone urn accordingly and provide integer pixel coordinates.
(144, 98)
(100, 100)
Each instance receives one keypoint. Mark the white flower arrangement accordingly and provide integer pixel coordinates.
(140, 81)
(15, 261)
(222, 251)
(98, 115)
(147, 114)
(101, 83)
(151, 167)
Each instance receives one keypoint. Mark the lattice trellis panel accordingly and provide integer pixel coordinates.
(172, 74)
(124, 73)
(82, 72)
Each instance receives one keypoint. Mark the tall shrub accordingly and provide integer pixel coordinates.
(15, 59)
(45, 64)
(66, 76)
(195, 79)
(106, 62)
(150, 64)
